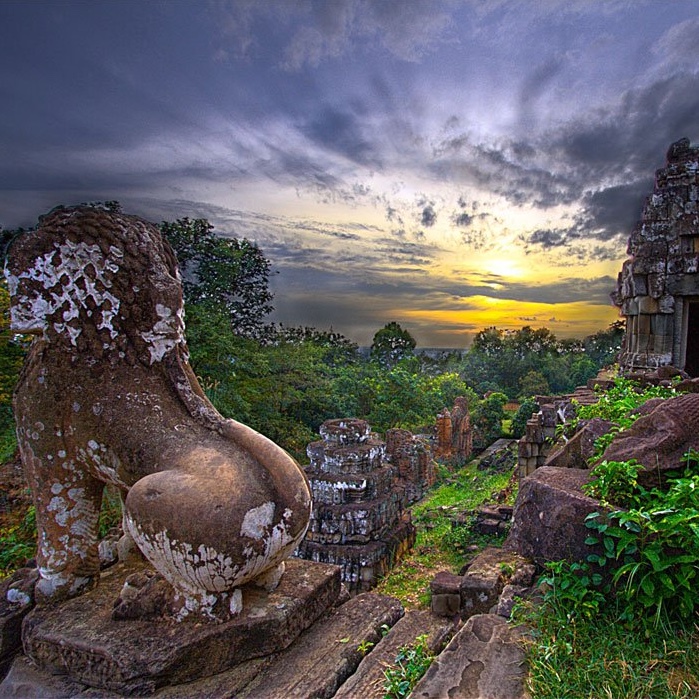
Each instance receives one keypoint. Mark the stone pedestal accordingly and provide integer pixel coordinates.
(359, 520)
(79, 638)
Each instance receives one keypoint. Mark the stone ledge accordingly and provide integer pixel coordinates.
(80, 639)
(325, 655)
(367, 682)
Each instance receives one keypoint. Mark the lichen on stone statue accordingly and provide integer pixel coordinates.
(107, 396)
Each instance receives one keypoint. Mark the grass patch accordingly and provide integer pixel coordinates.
(439, 545)
(412, 662)
(575, 658)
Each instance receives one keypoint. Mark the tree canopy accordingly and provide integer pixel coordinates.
(391, 344)
(227, 273)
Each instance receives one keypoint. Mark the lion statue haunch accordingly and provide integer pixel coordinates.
(107, 396)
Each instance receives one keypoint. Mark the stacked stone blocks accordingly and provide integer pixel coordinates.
(661, 274)
(359, 518)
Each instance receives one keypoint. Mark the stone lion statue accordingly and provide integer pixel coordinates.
(107, 396)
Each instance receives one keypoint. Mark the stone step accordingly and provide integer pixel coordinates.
(324, 656)
(367, 682)
(484, 660)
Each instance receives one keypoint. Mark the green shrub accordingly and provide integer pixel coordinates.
(573, 589)
(654, 544)
(412, 663)
(616, 483)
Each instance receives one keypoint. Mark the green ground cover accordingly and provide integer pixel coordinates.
(439, 544)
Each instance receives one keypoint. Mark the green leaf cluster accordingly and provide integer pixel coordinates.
(223, 273)
(574, 589)
(653, 549)
(391, 344)
(412, 662)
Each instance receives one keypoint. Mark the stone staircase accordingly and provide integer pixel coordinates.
(343, 654)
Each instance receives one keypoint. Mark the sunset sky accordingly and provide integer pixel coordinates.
(446, 164)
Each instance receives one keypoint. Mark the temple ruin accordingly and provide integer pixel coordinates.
(359, 520)
(658, 286)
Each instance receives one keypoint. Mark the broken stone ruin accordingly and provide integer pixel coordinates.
(658, 286)
(359, 519)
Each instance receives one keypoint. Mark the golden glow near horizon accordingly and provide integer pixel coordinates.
(575, 319)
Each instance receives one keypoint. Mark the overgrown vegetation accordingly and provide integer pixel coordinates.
(444, 538)
(17, 542)
(623, 622)
(412, 662)
(653, 546)
(573, 656)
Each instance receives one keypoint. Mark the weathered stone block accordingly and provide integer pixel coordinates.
(352, 459)
(357, 522)
(660, 439)
(656, 287)
(342, 489)
(445, 588)
(580, 447)
(549, 516)
(484, 659)
(345, 431)
(362, 565)
(640, 285)
(484, 580)
(79, 637)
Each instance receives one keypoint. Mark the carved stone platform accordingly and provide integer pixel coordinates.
(80, 639)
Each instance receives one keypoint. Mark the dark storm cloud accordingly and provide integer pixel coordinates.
(548, 238)
(428, 217)
(612, 212)
(341, 131)
(628, 140)
(498, 168)
(571, 289)
(463, 219)
(574, 163)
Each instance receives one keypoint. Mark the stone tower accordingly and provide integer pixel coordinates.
(359, 520)
(658, 286)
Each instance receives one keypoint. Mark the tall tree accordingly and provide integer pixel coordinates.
(391, 344)
(226, 273)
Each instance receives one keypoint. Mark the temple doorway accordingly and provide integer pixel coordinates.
(691, 364)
